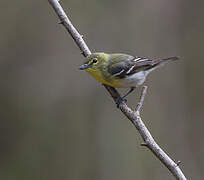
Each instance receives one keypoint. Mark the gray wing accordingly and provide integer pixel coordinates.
(128, 66)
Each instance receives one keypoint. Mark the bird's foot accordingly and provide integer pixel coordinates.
(120, 100)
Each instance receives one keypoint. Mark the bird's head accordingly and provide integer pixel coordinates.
(94, 61)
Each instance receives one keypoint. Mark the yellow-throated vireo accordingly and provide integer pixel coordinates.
(121, 70)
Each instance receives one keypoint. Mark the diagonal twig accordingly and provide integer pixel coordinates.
(133, 116)
(141, 101)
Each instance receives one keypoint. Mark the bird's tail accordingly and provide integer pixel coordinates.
(160, 62)
(164, 61)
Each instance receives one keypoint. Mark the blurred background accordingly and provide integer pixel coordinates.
(57, 122)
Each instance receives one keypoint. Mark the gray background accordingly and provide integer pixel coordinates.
(56, 122)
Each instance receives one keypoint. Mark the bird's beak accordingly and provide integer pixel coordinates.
(84, 66)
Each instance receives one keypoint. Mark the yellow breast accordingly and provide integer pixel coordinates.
(114, 82)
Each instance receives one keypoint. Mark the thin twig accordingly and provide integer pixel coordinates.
(69, 27)
(133, 116)
(141, 101)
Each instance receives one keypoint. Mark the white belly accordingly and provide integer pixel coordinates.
(134, 80)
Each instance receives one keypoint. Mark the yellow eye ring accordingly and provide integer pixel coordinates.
(94, 60)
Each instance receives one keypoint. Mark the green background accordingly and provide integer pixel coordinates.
(56, 122)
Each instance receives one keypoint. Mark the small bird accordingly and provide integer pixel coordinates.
(121, 70)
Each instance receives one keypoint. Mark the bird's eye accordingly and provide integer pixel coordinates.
(94, 60)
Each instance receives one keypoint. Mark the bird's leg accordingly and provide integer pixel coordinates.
(131, 89)
(122, 99)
